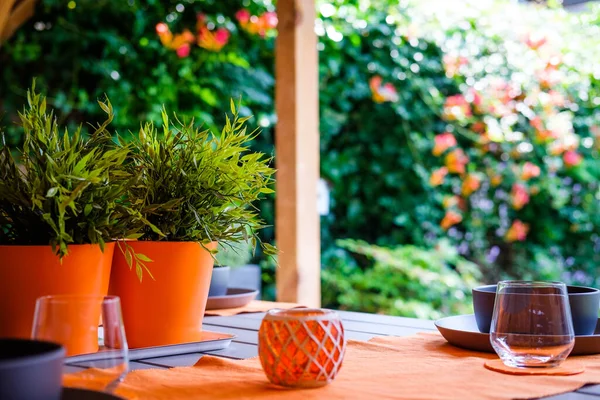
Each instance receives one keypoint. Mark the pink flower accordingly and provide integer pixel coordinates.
(452, 64)
(519, 196)
(457, 107)
(270, 20)
(517, 232)
(383, 93)
(530, 170)
(572, 158)
(183, 51)
(162, 28)
(222, 36)
(243, 16)
(443, 142)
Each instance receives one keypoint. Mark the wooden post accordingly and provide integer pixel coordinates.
(297, 225)
(5, 11)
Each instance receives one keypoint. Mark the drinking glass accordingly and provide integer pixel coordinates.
(91, 330)
(531, 324)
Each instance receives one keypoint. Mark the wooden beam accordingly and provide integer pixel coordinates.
(22, 12)
(297, 225)
(5, 11)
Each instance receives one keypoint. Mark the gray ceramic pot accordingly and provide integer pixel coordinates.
(219, 281)
(584, 303)
(30, 370)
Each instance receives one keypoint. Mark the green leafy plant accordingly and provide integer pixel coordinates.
(198, 187)
(233, 254)
(64, 188)
(403, 280)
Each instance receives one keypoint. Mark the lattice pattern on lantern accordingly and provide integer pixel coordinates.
(302, 347)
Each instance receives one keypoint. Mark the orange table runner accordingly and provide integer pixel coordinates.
(423, 366)
(253, 306)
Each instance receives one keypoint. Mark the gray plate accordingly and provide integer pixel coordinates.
(461, 331)
(211, 341)
(84, 394)
(234, 298)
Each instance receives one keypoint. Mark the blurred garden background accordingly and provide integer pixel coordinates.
(460, 140)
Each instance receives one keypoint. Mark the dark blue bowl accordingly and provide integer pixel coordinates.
(584, 302)
(30, 370)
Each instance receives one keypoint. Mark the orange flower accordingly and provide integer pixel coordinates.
(213, 41)
(537, 123)
(470, 185)
(530, 170)
(443, 142)
(451, 218)
(457, 107)
(456, 161)
(257, 25)
(180, 42)
(572, 158)
(383, 93)
(496, 180)
(519, 196)
(517, 231)
(437, 176)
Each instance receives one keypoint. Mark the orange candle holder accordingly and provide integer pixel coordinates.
(301, 347)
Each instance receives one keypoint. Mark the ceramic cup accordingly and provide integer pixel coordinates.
(584, 303)
(30, 369)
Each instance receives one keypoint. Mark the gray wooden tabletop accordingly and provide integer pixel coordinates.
(358, 326)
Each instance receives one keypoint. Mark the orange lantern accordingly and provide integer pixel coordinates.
(301, 347)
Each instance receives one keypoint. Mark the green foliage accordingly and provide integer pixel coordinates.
(63, 188)
(233, 254)
(404, 280)
(197, 187)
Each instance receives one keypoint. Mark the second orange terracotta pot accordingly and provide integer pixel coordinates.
(170, 308)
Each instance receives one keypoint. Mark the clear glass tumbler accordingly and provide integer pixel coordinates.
(531, 324)
(91, 330)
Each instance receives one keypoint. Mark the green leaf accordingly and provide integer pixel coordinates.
(52, 192)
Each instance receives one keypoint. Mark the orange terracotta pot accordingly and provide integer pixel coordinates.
(170, 308)
(29, 272)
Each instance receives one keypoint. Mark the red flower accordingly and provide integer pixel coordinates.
(456, 161)
(243, 16)
(443, 142)
(517, 232)
(470, 184)
(572, 158)
(519, 196)
(183, 51)
(530, 170)
(437, 176)
(451, 218)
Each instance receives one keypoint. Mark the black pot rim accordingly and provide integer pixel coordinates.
(47, 351)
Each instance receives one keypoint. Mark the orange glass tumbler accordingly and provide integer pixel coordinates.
(301, 347)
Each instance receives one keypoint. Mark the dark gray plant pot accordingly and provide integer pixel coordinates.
(219, 281)
(30, 370)
(246, 277)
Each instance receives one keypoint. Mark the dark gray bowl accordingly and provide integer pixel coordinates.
(30, 370)
(584, 303)
(219, 281)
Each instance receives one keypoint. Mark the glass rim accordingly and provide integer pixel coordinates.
(301, 314)
(522, 283)
(64, 298)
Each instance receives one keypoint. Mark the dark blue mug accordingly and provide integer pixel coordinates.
(584, 303)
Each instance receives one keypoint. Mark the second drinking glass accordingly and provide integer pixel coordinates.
(531, 324)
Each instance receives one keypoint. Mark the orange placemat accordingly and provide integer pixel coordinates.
(424, 366)
(253, 306)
